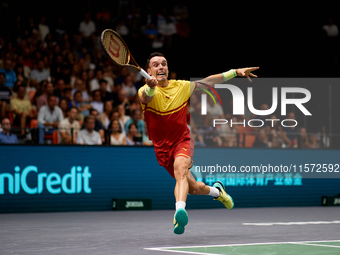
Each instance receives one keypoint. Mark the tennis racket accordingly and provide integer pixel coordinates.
(118, 51)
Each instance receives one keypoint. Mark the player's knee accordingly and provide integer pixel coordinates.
(181, 168)
(181, 172)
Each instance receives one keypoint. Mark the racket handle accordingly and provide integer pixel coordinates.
(144, 74)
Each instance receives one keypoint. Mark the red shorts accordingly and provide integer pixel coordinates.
(184, 147)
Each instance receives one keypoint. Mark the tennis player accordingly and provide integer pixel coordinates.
(164, 106)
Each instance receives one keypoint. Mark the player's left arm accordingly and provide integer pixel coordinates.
(222, 77)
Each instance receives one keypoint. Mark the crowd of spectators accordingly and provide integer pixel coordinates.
(53, 78)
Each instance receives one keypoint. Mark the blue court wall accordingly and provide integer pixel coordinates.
(87, 178)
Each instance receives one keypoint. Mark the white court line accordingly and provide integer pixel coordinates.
(186, 252)
(322, 245)
(227, 245)
(292, 223)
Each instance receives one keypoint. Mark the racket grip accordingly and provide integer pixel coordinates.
(144, 74)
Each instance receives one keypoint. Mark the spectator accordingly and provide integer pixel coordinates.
(228, 133)
(97, 101)
(290, 134)
(89, 136)
(68, 96)
(47, 91)
(79, 85)
(122, 100)
(105, 116)
(122, 116)
(39, 74)
(183, 29)
(132, 136)
(6, 136)
(5, 95)
(161, 17)
(98, 125)
(129, 87)
(275, 140)
(181, 11)
(151, 33)
(215, 110)
(49, 117)
(59, 89)
(123, 72)
(60, 29)
(69, 127)
(109, 76)
(168, 30)
(261, 140)
(263, 107)
(21, 109)
(122, 29)
(116, 137)
(135, 104)
(83, 107)
(19, 71)
(136, 118)
(43, 29)
(146, 140)
(314, 143)
(323, 138)
(11, 76)
(209, 133)
(63, 106)
(87, 27)
(331, 29)
(303, 138)
(198, 139)
(105, 95)
(95, 82)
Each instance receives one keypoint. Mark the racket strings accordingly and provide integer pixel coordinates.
(116, 49)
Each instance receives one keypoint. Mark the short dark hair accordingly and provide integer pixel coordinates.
(120, 127)
(20, 86)
(132, 124)
(49, 96)
(93, 92)
(89, 117)
(93, 110)
(70, 108)
(77, 92)
(67, 89)
(102, 80)
(155, 54)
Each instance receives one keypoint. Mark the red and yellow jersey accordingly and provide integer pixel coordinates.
(165, 115)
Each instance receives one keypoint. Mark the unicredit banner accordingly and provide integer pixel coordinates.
(82, 178)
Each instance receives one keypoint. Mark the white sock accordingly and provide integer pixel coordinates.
(180, 204)
(214, 192)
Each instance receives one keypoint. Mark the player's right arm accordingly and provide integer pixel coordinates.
(149, 92)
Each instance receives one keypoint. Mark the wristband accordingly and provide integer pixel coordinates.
(150, 92)
(229, 74)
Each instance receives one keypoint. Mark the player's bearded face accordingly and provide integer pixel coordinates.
(159, 68)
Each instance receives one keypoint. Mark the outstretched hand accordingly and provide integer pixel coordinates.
(246, 72)
(152, 83)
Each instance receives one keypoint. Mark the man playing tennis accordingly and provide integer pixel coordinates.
(164, 106)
